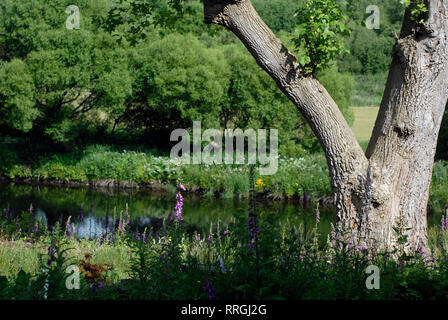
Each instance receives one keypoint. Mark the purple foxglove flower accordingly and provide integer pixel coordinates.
(179, 205)
(210, 289)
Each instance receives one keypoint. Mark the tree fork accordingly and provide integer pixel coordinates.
(390, 184)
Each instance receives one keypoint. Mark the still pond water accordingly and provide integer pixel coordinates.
(93, 211)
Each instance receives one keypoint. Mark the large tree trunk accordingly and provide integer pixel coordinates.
(389, 185)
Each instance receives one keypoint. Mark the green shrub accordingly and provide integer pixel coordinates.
(237, 184)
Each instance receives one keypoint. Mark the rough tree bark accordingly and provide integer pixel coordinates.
(388, 186)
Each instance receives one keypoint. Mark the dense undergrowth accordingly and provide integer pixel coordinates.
(143, 166)
(256, 256)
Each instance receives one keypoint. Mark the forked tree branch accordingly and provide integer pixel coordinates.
(344, 155)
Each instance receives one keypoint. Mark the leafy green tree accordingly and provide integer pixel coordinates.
(83, 73)
(134, 20)
(21, 21)
(17, 107)
(77, 75)
(370, 51)
(253, 101)
(177, 79)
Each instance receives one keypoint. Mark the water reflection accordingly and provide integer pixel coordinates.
(95, 212)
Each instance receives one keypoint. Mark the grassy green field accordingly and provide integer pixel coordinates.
(364, 121)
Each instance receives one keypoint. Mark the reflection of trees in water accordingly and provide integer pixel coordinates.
(147, 209)
(95, 227)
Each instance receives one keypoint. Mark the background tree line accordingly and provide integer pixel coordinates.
(73, 86)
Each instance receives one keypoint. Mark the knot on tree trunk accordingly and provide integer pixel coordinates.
(403, 130)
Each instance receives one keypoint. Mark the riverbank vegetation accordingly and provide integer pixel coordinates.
(125, 166)
(256, 256)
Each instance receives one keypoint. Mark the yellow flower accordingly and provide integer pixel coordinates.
(382, 215)
(260, 183)
(169, 239)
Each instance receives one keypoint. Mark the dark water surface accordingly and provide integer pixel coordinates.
(93, 211)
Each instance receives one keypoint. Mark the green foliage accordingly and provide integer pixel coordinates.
(319, 33)
(417, 8)
(17, 108)
(279, 14)
(299, 175)
(134, 19)
(370, 53)
(85, 70)
(438, 194)
(92, 85)
(54, 265)
(254, 101)
(178, 80)
(340, 86)
(369, 89)
(236, 184)
(22, 21)
(141, 166)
